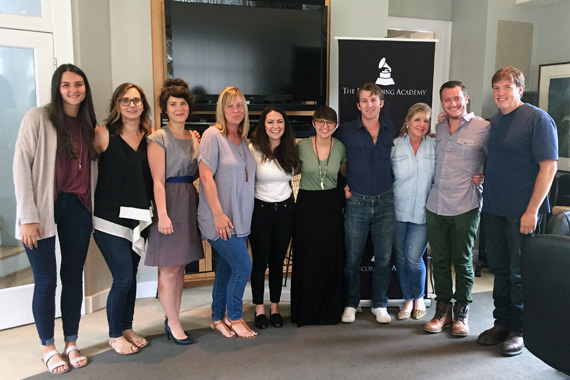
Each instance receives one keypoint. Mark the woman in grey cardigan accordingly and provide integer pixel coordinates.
(53, 190)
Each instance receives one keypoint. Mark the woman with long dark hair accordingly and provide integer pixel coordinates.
(174, 239)
(53, 195)
(123, 207)
(273, 149)
(227, 179)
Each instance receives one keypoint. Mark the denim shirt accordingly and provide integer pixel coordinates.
(368, 167)
(459, 156)
(413, 176)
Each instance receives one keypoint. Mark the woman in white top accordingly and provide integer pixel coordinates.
(273, 148)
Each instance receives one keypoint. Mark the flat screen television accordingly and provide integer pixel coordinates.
(274, 52)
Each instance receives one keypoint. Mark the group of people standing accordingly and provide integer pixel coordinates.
(437, 194)
(404, 188)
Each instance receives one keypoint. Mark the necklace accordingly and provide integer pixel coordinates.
(80, 150)
(244, 161)
(322, 174)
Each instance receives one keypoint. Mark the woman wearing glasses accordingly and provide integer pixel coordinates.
(174, 239)
(227, 179)
(273, 148)
(316, 292)
(123, 207)
(53, 194)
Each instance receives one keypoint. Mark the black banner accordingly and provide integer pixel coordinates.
(402, 68)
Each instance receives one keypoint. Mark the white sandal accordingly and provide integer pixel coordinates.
(74, 361)
(53, 366)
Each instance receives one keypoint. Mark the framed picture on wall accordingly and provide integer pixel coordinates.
(554, 98)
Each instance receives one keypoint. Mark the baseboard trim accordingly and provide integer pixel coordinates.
(147, 289)
(98, 301)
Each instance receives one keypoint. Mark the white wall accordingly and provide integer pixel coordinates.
(468, 48)
(112, 44)
(552, 40)
(424, 9)
(475, 41)
(349, 18)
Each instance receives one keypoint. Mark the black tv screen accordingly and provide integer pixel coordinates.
(274, 55)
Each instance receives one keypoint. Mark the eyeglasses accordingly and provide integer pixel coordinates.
(126, 101)
(321, 122)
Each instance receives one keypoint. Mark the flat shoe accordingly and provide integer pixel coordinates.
(276, 319)
(74, 361)
(418, 313)
(261, 321)
(403, 315)
(136, 339)
(51, 367)
(221, 327)
(242, 323)
(123, 347)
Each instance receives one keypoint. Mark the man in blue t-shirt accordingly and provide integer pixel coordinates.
(368, 141)
(522, 154)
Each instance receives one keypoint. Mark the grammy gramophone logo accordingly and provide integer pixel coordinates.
(385, 75)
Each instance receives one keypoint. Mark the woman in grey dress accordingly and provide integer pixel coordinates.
(174, 239)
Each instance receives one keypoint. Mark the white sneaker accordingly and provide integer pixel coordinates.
(381, 314)
(349, 315)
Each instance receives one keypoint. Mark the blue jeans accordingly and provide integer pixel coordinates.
(74, 226)
(123, 263)
(504, 247)
(364, 214)
(233, 267)
(410, 243)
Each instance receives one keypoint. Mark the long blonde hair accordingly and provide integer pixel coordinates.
(228, 95)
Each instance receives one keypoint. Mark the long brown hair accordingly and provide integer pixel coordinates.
(284, 153)
(86, 114)
(114, 121)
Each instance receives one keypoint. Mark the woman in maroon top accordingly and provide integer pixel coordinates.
(53, 191)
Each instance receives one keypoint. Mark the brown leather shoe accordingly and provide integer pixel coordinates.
(493, 336)
(513, 345)
(460, 320)
(441, 319)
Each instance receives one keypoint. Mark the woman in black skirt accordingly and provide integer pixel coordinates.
(316, 293)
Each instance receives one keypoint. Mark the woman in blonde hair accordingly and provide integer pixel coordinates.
(413, 165)
(227, 179)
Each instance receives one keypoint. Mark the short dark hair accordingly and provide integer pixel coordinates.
(511, 74)
(452, 84)
(176, 88)
(326, 113)
(373, 88)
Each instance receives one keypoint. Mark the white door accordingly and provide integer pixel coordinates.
(26, 67)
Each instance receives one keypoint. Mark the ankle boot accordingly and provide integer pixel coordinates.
(460, 320)
(441, 319)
